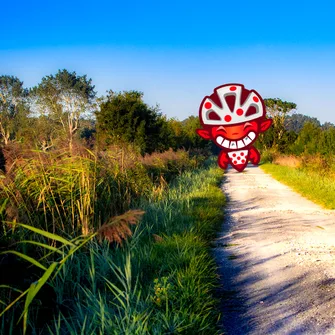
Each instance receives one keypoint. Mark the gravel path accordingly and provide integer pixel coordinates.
(276, 256)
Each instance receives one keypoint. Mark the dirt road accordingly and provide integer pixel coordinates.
(276, 256)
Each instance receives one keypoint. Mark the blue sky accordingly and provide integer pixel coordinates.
(176, 52)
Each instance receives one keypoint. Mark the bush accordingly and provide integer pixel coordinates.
(268, 155)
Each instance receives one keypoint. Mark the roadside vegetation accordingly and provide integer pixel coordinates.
(315, 186)
(147, 271)
(107, 212)
(299, 152)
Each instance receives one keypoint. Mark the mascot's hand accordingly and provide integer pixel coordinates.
(223, 160)
(254, 156)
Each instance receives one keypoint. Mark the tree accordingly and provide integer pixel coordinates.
(308, 139)
(278, 110)
(191, 138)
(176, 133)
(124, 117)
(13, 107)
(44, 132)
(296, 122)
(328, 125)
(65, 98)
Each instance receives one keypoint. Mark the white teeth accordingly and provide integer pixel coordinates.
(252, 135)
(247, 140)
(232, 145)
(240, 144)
(226, 144)
(236, 144)
(219, 139)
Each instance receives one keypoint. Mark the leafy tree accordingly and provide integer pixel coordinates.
(178, 136)
(191, 138)
(65, 97)
(44, 132)
(125, 117)
(296, 122)
(328, 125)
(326, 141)
(278, 110)
(308, 139)
(287, 141)
(13, 107)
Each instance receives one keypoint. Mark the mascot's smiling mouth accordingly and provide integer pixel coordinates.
(238, 144)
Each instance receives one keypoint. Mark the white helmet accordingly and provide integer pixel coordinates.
(231, 104)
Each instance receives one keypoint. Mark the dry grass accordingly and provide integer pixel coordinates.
(161, 159)
(117, 229)
(288, 160)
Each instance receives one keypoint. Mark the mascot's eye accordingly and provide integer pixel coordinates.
(251, 111)
(247, 125)
(214, 116)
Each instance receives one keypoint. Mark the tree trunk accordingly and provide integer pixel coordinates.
(70, 145)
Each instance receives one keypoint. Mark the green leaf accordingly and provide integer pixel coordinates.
(46, 246)
(12, 288)
(13, 302)
(3, 206)
(45, 233)
(27, 258)
(33, 290)
(72, 251)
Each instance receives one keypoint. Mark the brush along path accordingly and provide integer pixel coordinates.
(277, 259)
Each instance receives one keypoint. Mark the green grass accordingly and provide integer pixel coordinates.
(315, 187)
(160, 281)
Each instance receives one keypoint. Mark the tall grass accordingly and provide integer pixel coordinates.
(159, 281)
(76, 195)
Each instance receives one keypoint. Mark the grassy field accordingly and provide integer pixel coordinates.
(320, 188)
(148, 273)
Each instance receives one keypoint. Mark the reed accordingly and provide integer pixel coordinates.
(87, 268)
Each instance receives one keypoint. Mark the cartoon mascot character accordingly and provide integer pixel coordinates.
(233, 117)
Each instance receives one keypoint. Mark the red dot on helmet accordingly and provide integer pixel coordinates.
(235, 162)
(234, 155)
(238, 158)
(239, 111)
(242, 153)
(227, 118)
(243, 160)
(255, 99)
(208, 105)
(233, 88)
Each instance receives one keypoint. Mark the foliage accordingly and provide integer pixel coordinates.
(313, 185)
(68, 195)
(169, 163)
(13, 107)
(74, 257)
(65, 98)
(131, 217)
(296, 121)
(277, 110)
(159, 281)
(124, 117)
(59, 110)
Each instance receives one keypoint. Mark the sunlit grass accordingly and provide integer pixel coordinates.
(320, 188)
